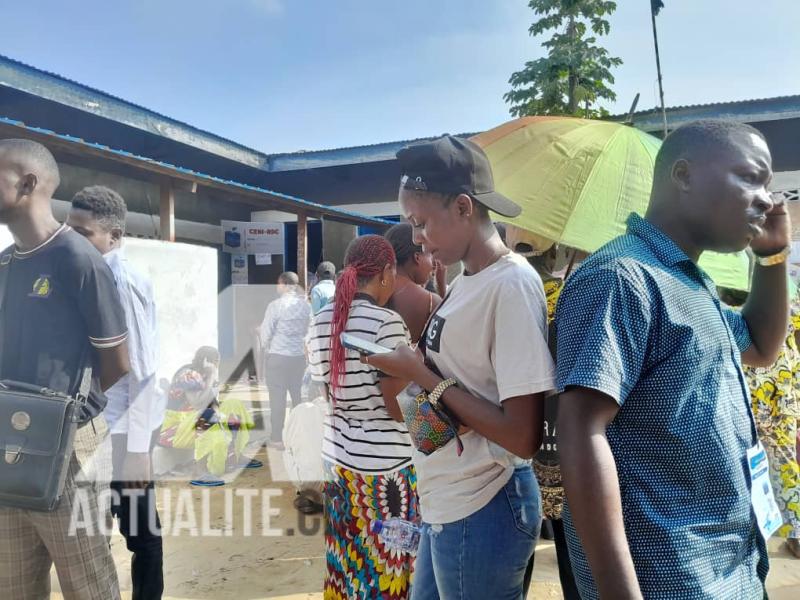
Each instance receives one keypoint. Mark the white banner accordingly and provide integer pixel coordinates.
(264, 238)
(242, 237)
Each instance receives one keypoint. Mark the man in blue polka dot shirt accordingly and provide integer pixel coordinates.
(654, 416)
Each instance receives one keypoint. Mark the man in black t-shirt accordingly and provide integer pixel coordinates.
(61, 312)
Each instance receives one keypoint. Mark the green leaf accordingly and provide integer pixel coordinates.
(543, 85)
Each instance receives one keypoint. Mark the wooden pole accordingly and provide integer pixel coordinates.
(167, 211)
(302, 271)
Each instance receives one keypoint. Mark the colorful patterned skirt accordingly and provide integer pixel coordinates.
(776, 407)
(359, 566)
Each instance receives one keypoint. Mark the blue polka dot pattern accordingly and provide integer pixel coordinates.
(643, 324)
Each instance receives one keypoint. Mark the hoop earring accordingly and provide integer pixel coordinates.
(383, 282)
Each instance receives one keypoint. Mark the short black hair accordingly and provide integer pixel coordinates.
(205, 353)
(401, 237)
(106, 206)
(34, 155)
(289, 278)
(698, 139)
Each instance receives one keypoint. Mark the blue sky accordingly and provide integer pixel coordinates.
(285, 75)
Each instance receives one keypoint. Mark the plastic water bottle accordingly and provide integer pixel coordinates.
(398, 534)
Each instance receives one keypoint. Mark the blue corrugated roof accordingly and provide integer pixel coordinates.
(315, 159)
(305, 205)
(57, 88)
(750, 111)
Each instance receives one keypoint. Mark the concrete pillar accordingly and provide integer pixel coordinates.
(167, 212)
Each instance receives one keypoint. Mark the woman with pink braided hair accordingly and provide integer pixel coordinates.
(366, 448)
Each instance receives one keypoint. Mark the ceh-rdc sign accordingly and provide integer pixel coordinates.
(259, 238)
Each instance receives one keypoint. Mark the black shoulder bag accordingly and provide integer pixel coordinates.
(37, 432)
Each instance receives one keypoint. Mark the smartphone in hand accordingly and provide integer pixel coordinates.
(362, 346)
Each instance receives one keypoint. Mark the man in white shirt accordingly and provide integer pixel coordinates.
(283, 333)
(325, 289)
(135, 409)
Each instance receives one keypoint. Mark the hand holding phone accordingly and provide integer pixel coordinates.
(362, 346)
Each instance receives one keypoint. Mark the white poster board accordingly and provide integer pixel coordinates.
(6, 239)
(184, 279)
(242, 237)
(239, 271)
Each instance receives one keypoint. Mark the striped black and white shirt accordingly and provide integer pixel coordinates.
(359, 432)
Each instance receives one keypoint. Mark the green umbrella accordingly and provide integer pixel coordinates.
(577, 181)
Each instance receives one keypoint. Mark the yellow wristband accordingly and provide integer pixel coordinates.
(774, 259)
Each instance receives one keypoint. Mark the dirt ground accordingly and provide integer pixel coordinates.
(209, 554)
(223, 562)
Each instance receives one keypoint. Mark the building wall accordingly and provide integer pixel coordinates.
(143, 196)
(335, 239)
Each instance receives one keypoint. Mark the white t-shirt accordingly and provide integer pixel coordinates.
(490, 334)
(360, 435)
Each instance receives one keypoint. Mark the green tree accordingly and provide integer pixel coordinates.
(576, 73)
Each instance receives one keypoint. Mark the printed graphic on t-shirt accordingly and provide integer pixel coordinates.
(41, 287)
(434, 338)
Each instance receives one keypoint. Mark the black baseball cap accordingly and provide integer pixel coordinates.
(453, 165)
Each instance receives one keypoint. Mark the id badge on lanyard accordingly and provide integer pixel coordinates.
(762, 497)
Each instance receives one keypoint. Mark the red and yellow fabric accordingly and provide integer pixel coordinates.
(359, 566)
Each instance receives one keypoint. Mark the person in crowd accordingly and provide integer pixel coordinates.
(323, 292)
(198, 429)
(655, 426)
(546, 462)
(283, 332)
(135, 409)
(414, 269)
(501, 231)
(775, 395)
(486, 354)
(60, 306)
(366, 448)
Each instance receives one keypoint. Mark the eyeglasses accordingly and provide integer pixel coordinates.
(415, 184)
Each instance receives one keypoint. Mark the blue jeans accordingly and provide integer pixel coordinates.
(484, 555)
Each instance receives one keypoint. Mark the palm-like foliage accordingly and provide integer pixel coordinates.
(576, 71)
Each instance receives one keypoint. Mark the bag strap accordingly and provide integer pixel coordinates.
(5, 267)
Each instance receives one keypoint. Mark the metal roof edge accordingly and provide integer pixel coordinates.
(751, 111)
(56, 88)
(335, 157)
(314, 207)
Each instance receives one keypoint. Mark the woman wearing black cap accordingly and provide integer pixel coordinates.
(486, 345)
